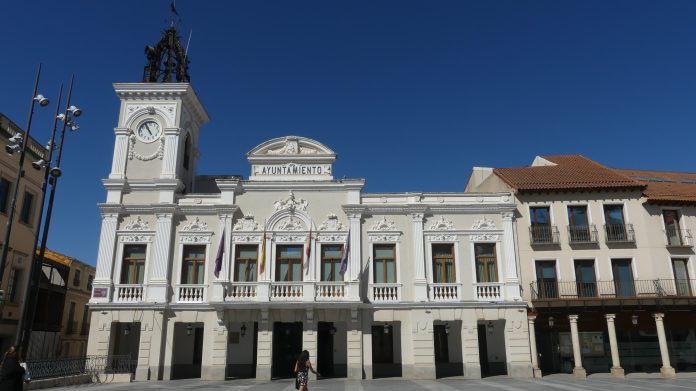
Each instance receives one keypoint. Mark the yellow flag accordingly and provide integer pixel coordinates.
(263, 252)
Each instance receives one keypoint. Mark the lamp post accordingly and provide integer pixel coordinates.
(19, 142)
(33, 267)
(54, 172)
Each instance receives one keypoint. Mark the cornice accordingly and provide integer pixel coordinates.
(159, 91)
(353, 184)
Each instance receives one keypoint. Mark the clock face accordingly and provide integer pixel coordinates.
(148, 131)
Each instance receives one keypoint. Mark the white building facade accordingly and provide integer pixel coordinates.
(225, 277)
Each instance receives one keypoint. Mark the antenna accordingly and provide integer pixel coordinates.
(188, 42)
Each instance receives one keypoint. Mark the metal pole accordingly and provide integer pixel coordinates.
(35, 265)
(47, 223)
(20, 174)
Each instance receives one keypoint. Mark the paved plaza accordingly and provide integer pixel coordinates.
(554, 382)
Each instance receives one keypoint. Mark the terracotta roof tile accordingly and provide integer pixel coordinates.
(665, 185)
(570, 172)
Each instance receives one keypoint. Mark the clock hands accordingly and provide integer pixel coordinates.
(147, 126)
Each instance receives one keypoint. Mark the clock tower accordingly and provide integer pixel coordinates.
(158, 128)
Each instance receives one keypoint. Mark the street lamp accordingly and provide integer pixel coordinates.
(20, 143)
(50, 177)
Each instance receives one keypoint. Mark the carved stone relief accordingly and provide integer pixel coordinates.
(483, 224)
(383, 225)
(246, 224)
(137, 224)
(195, 225)
(331, 224)
(442, 224)
(291, 224)
(291, 203)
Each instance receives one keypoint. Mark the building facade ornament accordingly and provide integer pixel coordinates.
(290, 203)
(292, 147)
(137, 224)
(331, 238)
(136, 238)
(383, 225)
(158, 154)
(246, 223)
(485, 238)
(441, 224)
(246, 238)
(441, 238)
(291, 224)
(290, 238)
(390, 238)
(195, 225)
(203, 239)
(331, 224)
(483, 224)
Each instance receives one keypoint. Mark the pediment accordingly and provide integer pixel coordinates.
(289, 147)
(291, 158)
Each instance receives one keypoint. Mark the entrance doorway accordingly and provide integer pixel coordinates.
(325, 349)
(242, 350)
(383, 364)
(187, 351)
(287, 345)
(491, 339)
(448, 351)
(125, 341)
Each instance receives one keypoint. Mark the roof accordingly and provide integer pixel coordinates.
(566, 172)
(57, 257)
(665, 186)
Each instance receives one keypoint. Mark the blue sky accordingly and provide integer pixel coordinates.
(411, 94)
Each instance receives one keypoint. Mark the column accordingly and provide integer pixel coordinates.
(264, 347)
(171, 147)
(354, 256)
(667, 371)
(533, 346)
(578, 371)
(470, 349)
(512, 281)
(421, 284)
(616, 369)
(354, 345)
(309, 339)
(158, 283)
(105, 258)
(118, 164)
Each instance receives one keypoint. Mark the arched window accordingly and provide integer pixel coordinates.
(187, 152)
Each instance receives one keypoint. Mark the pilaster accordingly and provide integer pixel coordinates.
(354, 262)
(214, 363)
(103, 278)
(354, 345)
(158, 284)
(118, 164)
(423, 346)
(512, 281)
(264, 349)
(470, 349)
(171, 147)
(421, 284)
(309, 339)
(532, 346)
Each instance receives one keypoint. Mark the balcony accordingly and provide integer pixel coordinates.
(385, 292)
(543, 235)
(445, 291)
(677, 237)
(190, 293)
(291, 291)
(128, 293)
(619, 233)
(488, 291)
(582, 234)
(330, 291)
(241, 291)
(638, 289)
(287, 291)
(71, 327)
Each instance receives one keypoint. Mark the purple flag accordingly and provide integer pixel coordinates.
(218, 258)
(344, 257)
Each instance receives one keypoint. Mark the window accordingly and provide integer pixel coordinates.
(579, 225)
(547, 283)
(27, 206)
(681, 276)
(245, 260)
(187, 152)
(289, 263)
(193, 265)
(133, 268)
(615, 225)
(443, 264)
(672, 228)
(541, 230)
(90, 281)
(486, 267)
(54, 275)
(623, 277)
(72, 325)
(77, 277)
(5, 186)
(585, 278)
(331, 255)
(14, 281)
(85, 320)
(385, 263)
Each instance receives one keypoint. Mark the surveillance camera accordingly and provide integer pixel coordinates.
(39, 164)
(11, 149)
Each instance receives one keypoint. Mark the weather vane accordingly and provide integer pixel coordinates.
(168, 58)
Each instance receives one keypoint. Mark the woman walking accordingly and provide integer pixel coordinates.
(11, 373)
(302, 368)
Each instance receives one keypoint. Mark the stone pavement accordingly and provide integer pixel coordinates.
(550, 383)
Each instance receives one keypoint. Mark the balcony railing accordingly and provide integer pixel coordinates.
(190, 293)
(128, 293)
(71, 327)
(445, 291)
(385, 292)
(620, 233)
(564, 290)
(678, 237)
(488, 291)
(330, 291)
(582, 234)
(287, 291)
(543, 234)
(241, 291)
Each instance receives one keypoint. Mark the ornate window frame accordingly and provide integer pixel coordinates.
(495, 237)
